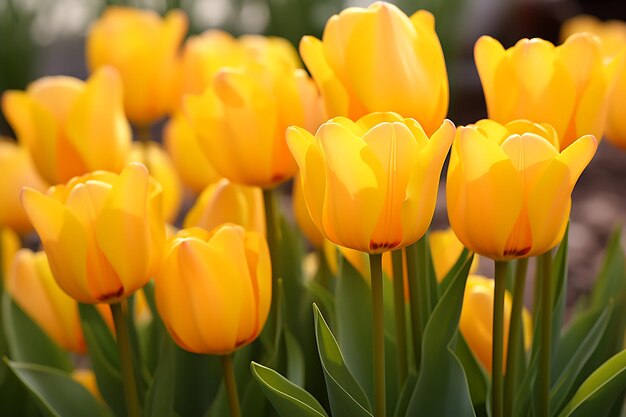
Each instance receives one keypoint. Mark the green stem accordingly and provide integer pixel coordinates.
(412, 267)
(378, 333)
(399, 311)
(231, 385)
(515, 334)
(271, 223)
(546, 335)
(498, 340)
(129, 381)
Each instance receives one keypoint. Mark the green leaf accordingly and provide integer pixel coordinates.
(295, 359)
(445, 282)
(611, 280)
(353, 306)
(197, 379)
(405, 395)
(287, 398)
(477, 378)
(559, 276)
(325, 300)
(345, 394)
(559, 392)
(57, 393)
(442, 387)
(27, 342)
(160, 395)
(104, 355)
(599, 392)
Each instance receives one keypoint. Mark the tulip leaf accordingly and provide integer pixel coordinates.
(442, 387)
(160, 395)
(57, 394)
(287, 398)
(611, 280)
(445, 282)
(324, 299)
(560, 390)
(344, 393)
(104, 356)
(27, 342)
(405, 395)
(295, 359)
(599, 392)
(477, 378)
(197, 380)
(353, 306)
(559, 279)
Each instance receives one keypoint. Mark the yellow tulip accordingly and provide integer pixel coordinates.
(445, 249)
(227, 202)
(31, 285)
(537, 81)
(378, 59)
(302, 216)
(509, 189)
(145, 49)
(181, 144)
(476, 320)
(71, 127)
(371, 185)
(18, 171)
(241, 118)
(612, 35)
(359, 260)
(162, 169)
(103, 233)
(9, 245)
(87, 379)
(214, 289)
(204, 55)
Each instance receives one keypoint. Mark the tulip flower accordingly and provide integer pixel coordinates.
(302, 216)
(182, 146)
(18, 171)
(227, 202)
(214, 289)
(162, 169)
(71, 127)
(612, 35)
(476, 320)
(371, 185)
(145, 50)
(445, 249)
(240, 120)
(31, 285)
(103, 233)
(509, 189)
(378, 59)
(9, 245)
(538, 81)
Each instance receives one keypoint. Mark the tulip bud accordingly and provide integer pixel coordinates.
(214, 289)
(476, 322)
(378, 59)
(31, 285)
(103, 233)
(144, 49)
(17, 172)
(227, 202)
(509, 189)
(71, 127)
(371, 185)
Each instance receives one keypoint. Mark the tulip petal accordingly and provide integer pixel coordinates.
(489, 55)
(260, 269)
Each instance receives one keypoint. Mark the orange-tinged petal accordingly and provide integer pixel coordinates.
(259, 265)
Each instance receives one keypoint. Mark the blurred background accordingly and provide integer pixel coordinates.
(46, 37)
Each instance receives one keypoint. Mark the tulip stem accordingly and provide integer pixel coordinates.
(129, 381)
(545, 351)
(515, 333)
(498, 340)
(399, 311)
(378, 333)
(231, 384)
(412, 267)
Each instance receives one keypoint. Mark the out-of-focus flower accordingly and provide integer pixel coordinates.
(476, 321)
(566, 86)
(180, 141)
(69, 126)
(612, 34)
(103, 233)
(509, 189)
(227, 202)
(162, 168)
(33, 288)
(445, 249)
(378, 59)
(9, 246)
(371, 185)
(145, 49)
(87, 378)
(241, 118)
(17, 171)
(214, 289)
(359, 260)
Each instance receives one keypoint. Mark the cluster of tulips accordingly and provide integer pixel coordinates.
(371, 314)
